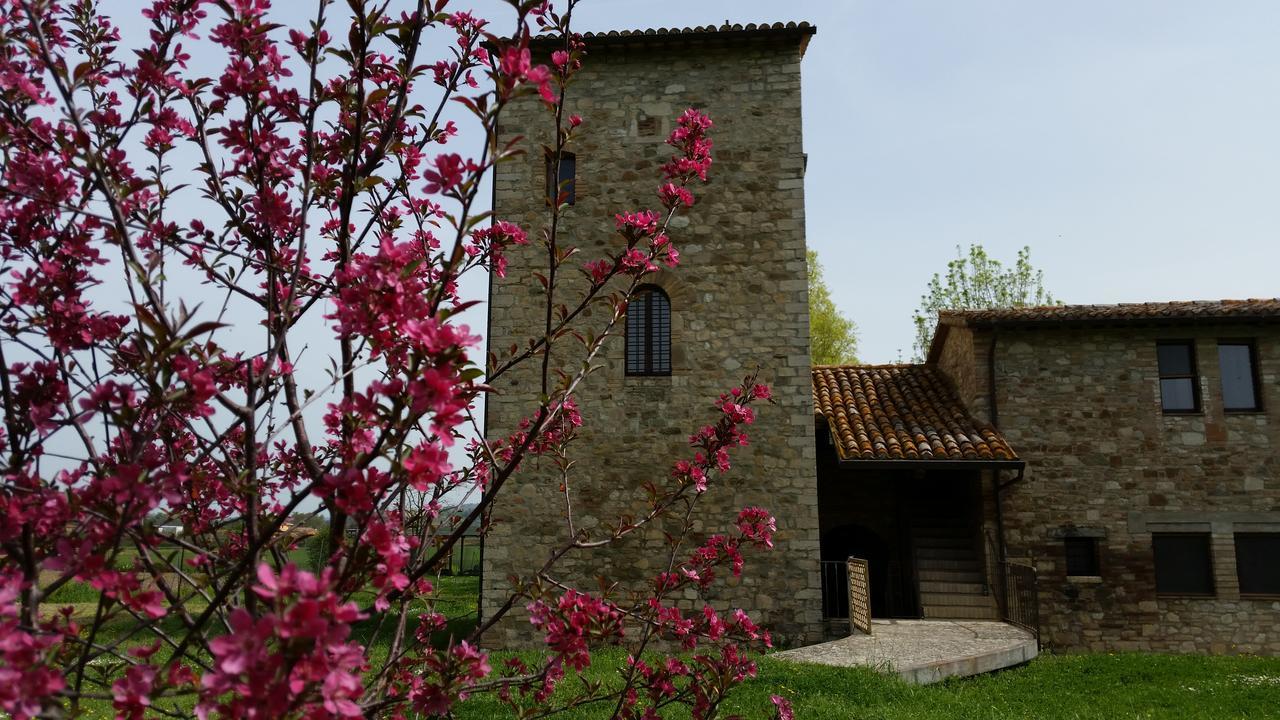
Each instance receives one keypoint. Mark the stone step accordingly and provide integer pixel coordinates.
(961, 612)
(947, 586)
(920, 526)
(950, 599)
(952, 575)
(940, 520)
(949, 542)
(958, 534)
(942, 553)
(948, 565)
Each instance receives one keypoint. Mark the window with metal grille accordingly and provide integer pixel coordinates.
(1184, 565)
(562, 185)
(1239, 377)
(1258, 563)
(1179, 387)
(1082, 556)
(649, 332)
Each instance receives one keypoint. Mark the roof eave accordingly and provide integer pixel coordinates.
(984, 324)
(700, 35)
(920, 464)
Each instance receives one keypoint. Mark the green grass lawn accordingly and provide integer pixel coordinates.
(1070, 687)
(1065, 687)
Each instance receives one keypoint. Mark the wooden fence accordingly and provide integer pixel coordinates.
(859, 596)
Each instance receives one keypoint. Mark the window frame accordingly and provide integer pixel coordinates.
(1207, 539)
(1252, 344)
(1235, 541)
(646, 292)
(1095, 555)
(553, 184)
(1194, 377)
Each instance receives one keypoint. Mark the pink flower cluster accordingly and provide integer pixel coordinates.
(26, 678)
(318, 195)
(690, 138)
(713, 441)
(573, 623)
(644, 231)
(296, 658)
(490, 243)
(442, 679)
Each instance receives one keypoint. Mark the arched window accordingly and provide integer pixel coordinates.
(649, 332)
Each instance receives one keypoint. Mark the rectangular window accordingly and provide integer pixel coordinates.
(1239, 379)
(1258, 563)
(1179, 387)
(1082, 556)
(1184, 565)
(562, 187)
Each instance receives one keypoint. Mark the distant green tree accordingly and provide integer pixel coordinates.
(833, 337)
(978, 282)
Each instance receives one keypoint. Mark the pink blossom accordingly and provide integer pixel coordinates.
(782, 708)
(598, 270)
(757, 525)
(132, 692)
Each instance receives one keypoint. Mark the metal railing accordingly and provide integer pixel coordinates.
(1021, 601)
(835, 590)
(846, 592)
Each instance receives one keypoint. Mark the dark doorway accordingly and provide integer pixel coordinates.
(841, 543)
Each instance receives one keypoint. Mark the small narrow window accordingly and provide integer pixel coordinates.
(562, 186)
(1258, 563)
(1239, 379)
(649, 333)
(1183, 562)
(1082, 556)
(1179, 388)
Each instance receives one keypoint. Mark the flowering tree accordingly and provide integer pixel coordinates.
(235, 300)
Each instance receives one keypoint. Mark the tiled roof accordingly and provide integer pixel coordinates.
(1261, 308)
(727, 31)
(901, 412)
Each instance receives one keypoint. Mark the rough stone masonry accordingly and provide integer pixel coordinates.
(738, 305)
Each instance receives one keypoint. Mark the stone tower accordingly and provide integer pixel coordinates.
(738, 302)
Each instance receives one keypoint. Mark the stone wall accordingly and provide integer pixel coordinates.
(965, 365)
(1082, 407)
(739, 304)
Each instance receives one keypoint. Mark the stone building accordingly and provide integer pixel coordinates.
(1127, 453)
(1151, 499)
(1106, 475)
(739, 307)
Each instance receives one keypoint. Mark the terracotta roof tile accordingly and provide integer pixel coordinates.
(1261, 308)
(702, 29)
(727, 31)
(901, 412)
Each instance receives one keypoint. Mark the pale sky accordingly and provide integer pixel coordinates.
(1135, 146)
(1132, 145)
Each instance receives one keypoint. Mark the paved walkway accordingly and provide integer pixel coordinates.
(925, 651)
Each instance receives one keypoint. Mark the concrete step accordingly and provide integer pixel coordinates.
(944, 586)
(961, 612)
(950, 599)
